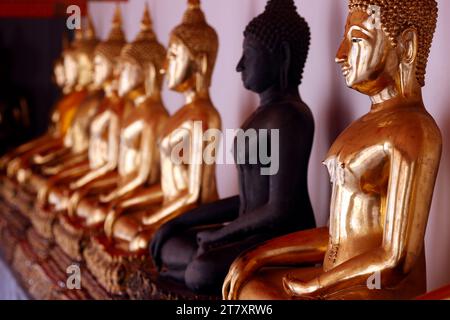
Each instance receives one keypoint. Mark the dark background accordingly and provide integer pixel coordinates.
(28, 49)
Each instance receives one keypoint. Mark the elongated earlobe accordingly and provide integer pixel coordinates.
(408, 46)
(285, 66)
(150, 80)
(202, 70)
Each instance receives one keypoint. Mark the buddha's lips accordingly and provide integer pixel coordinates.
(346, 70)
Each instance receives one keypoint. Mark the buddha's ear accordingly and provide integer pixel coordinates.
(285, 64)
(408, 50)
(202, 70)
(150, 79)
(408, 42)
(202, 63)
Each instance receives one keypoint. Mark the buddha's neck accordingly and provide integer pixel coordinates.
(139, 95)
(276, 94)
(67, 89)
(109, 89)
(192, 95)
(390, 98)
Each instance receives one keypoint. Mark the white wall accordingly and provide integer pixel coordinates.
(333, 104)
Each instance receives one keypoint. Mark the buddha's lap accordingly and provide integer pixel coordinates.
(267, 284)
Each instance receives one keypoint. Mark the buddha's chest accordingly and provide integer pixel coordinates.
(131, 148)
(252, 142)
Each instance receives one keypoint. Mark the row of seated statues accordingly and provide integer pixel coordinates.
(110, 194)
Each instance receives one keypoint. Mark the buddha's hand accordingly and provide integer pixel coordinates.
(13, 166)
(167, 231)
(296, 288)
(106, 198)
(240, 272)
(114, 213)
(205, 241)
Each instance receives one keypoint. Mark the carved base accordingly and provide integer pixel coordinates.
(43, 279)
(147, 285)
(112, 267)
(40, 246)
(43, 220)
(12, 229)
(72, 237)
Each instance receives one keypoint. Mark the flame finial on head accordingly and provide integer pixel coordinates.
(146, 32)
(194, 3)
(89, 33)
(112, 46)
(145, 49)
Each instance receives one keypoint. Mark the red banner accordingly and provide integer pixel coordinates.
(41, 8)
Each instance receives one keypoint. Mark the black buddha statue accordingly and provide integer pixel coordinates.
(198, 247)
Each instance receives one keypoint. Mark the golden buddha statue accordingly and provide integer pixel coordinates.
(71, 118)
(65, 78)
(184, 185)
(138, 161)
(383, 169)
(83, 134)
(76, 139)
(68, 170)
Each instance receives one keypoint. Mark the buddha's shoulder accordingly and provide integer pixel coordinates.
(416, 133)
(199, 111)
(415, 121)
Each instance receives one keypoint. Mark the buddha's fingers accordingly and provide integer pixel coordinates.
(295, 287)
(226, 286)
(110, 220)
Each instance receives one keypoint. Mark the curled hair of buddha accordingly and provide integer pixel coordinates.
(281, 23)
(399, 15)
(197, 35)
(145, 50)
(112, 46)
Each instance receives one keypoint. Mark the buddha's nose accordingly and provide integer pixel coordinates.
(240, 65)
(342, 53)
(164, 67)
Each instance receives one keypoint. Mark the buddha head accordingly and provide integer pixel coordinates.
(275, 49)
(192, 52)
(70, 61)
(59, 77)
(141, 60)
(387, 44)
(107, 53)
(79, 58)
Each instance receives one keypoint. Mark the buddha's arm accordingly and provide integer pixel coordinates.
(148, 140)
(4, 160)
(41, 159)
(274, 217)
(190, 197)
(409, 194)
(113, 150)
(92, 188)
(23, 161)
(137, 201)
(217, 212)
(65, 163)
(62, 177)
(294, 249)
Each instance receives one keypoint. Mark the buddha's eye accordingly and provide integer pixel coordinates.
(356, 40)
